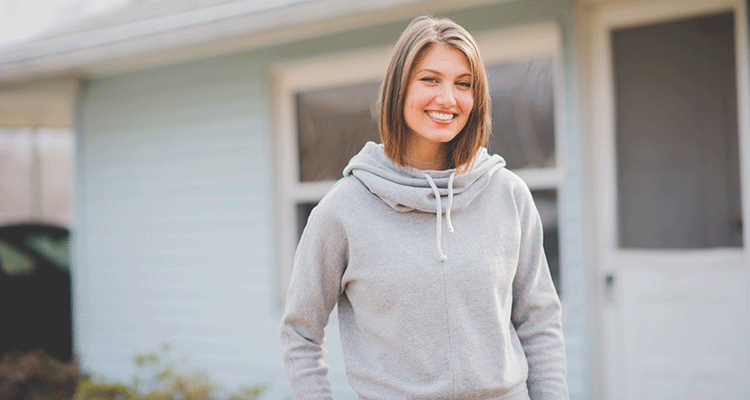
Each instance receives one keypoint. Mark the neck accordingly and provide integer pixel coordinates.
(423, 165)
(432, 157)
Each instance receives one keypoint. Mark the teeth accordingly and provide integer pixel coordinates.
(440, 116)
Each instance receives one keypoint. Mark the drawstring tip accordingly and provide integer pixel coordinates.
(450, 229)
(443, 257)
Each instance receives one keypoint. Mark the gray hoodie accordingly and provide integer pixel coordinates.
(426, 310)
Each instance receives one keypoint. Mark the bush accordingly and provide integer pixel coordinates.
(35, 375)
(159, 378)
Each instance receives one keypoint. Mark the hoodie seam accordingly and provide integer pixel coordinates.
(450, 333)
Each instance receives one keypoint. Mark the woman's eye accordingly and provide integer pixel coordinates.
(466, 85)
(429, 79)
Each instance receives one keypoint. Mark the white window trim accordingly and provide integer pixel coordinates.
(496, 46)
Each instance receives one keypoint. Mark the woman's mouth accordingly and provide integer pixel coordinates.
(440, 117)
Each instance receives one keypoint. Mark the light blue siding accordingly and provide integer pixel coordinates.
(175, 222)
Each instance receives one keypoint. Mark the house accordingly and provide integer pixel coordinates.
(198, 160)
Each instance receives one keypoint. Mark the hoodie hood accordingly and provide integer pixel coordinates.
(407, 189)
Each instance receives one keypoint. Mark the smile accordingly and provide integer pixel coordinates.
(441, 116)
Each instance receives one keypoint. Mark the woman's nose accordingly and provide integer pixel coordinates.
(445, 98)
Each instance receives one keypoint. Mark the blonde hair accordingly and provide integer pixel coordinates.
(417, 38)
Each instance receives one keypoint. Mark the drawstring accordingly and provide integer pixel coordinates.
(439, 216)
(450, 201)
(439, 212)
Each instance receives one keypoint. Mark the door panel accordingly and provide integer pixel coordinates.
(680, 331)
(669, 132)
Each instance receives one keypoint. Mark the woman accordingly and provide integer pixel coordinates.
(471, 314)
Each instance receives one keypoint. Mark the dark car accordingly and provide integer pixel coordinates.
(35, 289)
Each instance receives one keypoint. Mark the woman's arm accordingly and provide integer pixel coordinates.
(319, 262)
(536, 312)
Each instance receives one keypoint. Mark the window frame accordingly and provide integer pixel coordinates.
(497, 46)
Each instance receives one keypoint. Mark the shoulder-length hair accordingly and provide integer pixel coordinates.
(417, 38)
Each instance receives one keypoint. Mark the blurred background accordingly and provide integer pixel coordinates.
(159, 159)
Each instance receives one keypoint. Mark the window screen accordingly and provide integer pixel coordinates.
(676, 134)
(333, 124)
(523, 129)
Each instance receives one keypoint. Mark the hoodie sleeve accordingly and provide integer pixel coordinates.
(536, 312)
(319, 263)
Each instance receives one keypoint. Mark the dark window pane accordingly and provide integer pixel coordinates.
(333, 124)
(303, 212)
(523, 122)
(546, 203)
(677, 136)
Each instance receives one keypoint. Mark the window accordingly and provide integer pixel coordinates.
(325, 112)
(332, 126)
(523, 132)
(678, 159)
(523, 112)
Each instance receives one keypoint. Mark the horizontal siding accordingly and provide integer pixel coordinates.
(178, 222)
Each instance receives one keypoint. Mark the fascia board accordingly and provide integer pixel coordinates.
(201, 33)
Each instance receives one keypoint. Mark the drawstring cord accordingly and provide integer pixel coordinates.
(439, 216)
(450, 201)
(439, 211)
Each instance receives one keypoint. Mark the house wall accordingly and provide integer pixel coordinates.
(175, 211)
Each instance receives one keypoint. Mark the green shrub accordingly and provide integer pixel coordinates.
(159, 378)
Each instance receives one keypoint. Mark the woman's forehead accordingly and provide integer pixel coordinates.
(444, 59)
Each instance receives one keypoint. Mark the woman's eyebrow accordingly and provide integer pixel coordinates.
(441, 74)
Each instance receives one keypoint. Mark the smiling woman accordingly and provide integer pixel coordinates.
(437, 105)
(438, 57)
(473, 314)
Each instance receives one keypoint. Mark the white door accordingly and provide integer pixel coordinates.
(671, 162)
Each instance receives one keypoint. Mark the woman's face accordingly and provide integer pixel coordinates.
(439, 97)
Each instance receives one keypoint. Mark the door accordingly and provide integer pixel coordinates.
(670, 137)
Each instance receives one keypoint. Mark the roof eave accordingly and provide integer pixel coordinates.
(164, 40)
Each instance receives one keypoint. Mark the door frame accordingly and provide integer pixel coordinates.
(598, 122)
